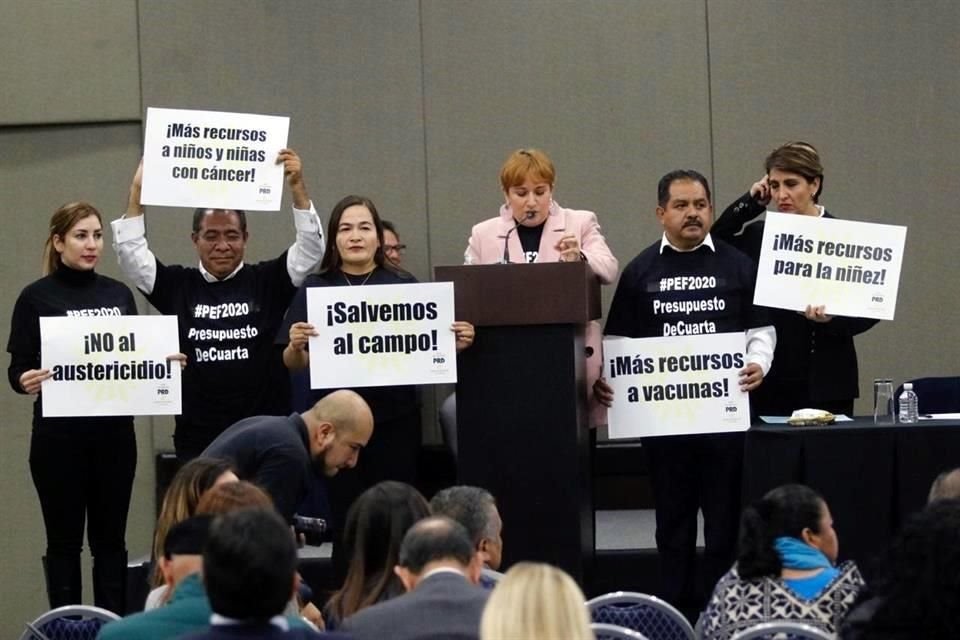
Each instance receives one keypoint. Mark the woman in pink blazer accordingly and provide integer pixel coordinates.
(532, 227)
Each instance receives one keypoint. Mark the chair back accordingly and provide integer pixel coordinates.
(651, 616)
(603, 631)
(783, 631)
(72, 622)
(935, 395)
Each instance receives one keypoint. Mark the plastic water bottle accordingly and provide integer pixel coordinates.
(908, 404)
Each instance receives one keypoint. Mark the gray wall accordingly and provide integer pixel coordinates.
(417, 103)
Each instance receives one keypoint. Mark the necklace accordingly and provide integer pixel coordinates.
(362, 283)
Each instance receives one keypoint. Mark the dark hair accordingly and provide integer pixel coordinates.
(784, 511)
(249, 564)
(919, 585)
(470, 506)
(679, 175)
(198, 215)
(432, 539)
(374, 529)
(797, 157)
(388, 226)
(331, 256)
(187, 537)
(62, 220)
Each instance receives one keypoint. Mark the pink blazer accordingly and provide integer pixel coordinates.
(485, 246)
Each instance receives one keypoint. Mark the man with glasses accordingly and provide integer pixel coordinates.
(228, 311)
(392, 248)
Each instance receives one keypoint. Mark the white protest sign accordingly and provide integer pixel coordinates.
(382, 335)
(110, 366)
(213, 159)
(851, 267)
(677, 385)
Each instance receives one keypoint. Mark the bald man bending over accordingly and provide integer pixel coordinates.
(279, 453)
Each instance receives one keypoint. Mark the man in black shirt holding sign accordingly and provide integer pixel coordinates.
(229, 311)
(687, 283)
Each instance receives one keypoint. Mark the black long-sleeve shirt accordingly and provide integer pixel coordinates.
(65, 292)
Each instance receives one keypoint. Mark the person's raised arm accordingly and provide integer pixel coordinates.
(743, 210)
(137, 262)
(305, 254)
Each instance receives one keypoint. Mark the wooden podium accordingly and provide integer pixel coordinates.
(522, 405)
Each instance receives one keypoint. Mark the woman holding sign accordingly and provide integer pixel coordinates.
(354, 257)
(82, 467)
(815, 362)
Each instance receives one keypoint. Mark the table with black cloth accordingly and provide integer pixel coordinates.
(872, 476)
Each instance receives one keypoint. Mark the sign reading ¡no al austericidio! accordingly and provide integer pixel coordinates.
(110, 366)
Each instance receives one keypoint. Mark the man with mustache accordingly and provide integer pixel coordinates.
(713, 282)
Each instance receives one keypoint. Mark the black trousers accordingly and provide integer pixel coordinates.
(83, 478)
(689, 474)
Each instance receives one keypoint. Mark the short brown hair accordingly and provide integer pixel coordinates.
(230, 496)
(61, 222)
(526, 163)
(797, 157)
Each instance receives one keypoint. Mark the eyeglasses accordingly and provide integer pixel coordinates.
(394, 248)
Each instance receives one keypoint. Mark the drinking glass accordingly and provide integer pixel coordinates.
(883, 401)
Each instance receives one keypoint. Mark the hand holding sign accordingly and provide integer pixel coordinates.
(817, 314)
(31, 380)
(293, 172)
(134, 208)
(750, 377)
(464, 332)
(295, 354)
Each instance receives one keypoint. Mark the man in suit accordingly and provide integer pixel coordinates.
(250, 573)
(476, 509)
(439, 567)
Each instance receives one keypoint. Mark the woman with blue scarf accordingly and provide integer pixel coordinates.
(785, 569)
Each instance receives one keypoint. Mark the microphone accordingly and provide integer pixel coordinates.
(506, 251)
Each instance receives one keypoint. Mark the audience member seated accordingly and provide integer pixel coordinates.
(375, 526)
(243, 495)
(785, 568)
(476, 509)
(179, 564)
(250, 574)
(917, 595)
(439, 569)
(946, 486)
(536, 601)
(232, 496)
(179, 503)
